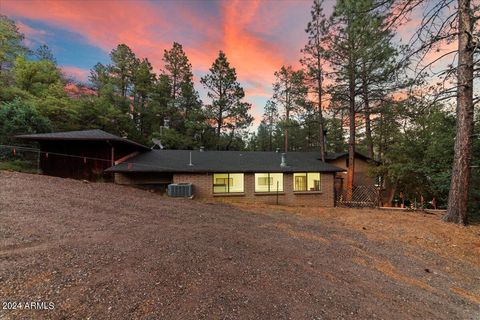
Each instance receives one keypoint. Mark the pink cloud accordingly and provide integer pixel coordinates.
(257, 36)
(76, 73)
(30, 32)
(32, 36)
(254, 57)
(103, 23)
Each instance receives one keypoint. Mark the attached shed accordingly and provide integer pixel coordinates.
(82, 154)
(362, 167)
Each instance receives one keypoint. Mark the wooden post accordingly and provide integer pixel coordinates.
(113, 156)
(277, 193)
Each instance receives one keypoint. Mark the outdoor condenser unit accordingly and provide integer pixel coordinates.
(180, 190)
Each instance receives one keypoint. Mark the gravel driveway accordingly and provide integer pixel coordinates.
(92, 250)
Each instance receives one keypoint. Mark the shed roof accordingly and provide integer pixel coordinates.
(222, 161)
(84, 135)
(338, 155)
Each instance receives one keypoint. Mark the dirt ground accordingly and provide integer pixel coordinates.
(103, 251)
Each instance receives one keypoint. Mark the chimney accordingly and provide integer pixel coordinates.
(202, 148)
(284, 160)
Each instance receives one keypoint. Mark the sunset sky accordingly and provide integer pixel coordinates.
(258, 37)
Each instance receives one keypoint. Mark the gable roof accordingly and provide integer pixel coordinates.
(84, 135)
(222, 161)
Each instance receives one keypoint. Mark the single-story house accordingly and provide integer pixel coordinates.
(294, 178)
(297, 178)
(82, 154)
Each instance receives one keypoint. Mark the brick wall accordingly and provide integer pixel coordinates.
(202, 188)
(139, 178)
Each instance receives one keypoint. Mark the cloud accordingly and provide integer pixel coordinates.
(30, 32)
(258, 36)
(33, 36)
(254, 57)
(76, 73)
(102, 23)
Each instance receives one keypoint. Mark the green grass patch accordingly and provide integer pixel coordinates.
(19, 166)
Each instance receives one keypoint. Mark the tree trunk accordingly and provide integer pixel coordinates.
(459, 185)
(320, 111)
(322, 138)
(287, 123)
(270, 137)
(232, 134)
(351, 139)
(380, 138)
(219, 127)
(366, 98)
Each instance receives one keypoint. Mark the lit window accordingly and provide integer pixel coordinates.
(268, 182)
(228, 182)
(307, 181)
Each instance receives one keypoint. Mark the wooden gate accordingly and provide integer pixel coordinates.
(362, 197)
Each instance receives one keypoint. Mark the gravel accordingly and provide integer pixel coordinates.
(103, 251)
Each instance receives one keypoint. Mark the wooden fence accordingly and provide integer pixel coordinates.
(362, 197)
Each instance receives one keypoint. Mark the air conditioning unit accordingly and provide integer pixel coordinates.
(180, 190)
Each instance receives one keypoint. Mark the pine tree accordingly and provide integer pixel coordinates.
(99, 76)
(347, 43)
(461, 171)
(184, 105)
(43, 52)
(313, 60)
(289, 94)
(143, 80)
(124, 64)
(270, 120)
(440, 24)
(178, 69)
(227, 109)
(378, 67)
(11, 45)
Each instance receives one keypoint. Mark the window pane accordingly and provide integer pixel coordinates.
(220, 183)
(313, 181)
(236, 182)
(277, 180)
(262, 182)
(299, 182)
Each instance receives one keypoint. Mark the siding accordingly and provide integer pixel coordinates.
(361, 177)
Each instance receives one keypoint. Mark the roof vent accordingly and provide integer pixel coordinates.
(157, 143)
(284, 160)
(190, 163)
(202, 148)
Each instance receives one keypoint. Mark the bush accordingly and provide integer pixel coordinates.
(20, 117)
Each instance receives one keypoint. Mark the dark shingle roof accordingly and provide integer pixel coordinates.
(84, 135)
(337, 155)
(222, 161)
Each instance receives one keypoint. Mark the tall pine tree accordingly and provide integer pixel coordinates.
(228, 110)
(314, 60)
(290, 95)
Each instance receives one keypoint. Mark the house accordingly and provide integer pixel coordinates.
(82, 154)
(294, 178)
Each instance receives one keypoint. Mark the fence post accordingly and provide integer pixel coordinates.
(277, 193)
